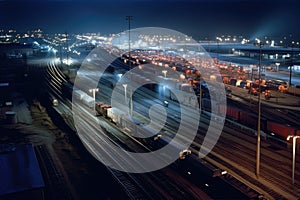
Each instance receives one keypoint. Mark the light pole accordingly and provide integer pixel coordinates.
(165, 73)
(129, 18)
(291, 66)
(94, 90)
(60, 55)
(120, 76)
(258, 43)
(67, 44)
(125, 86)
(200, 98)
(294, 154)
(277, 66)
(218, 41)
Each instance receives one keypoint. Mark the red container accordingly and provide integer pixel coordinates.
(248, 119)
(281, 129)
(233, 113)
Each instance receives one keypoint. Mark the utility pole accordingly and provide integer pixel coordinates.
(60, 54)
(200, 98)
(259, 113)
(291, 66)
(93, 91)
(250, 88)
(67, 44)
(129, 18)
(294, 155)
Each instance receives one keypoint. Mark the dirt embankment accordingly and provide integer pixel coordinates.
(84, 175)
(42, 121)
(41, 131)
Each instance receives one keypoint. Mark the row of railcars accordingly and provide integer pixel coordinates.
(250, 120)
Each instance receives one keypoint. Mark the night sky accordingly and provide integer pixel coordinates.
(198, 18)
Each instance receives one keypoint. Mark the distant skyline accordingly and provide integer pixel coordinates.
(197, 18)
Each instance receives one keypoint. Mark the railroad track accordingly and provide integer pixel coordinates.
(244, 146)
(129, 183)
(241, 175)
(269, 112)
(163, 187)
(248, 153)
(134, 184)
(240, 148)
(158, 181)
(56, 187)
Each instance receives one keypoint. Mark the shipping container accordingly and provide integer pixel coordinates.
(233, 113)
(88, 101)
(103, 109)
(115, 115)
(79, 94)
(298, 134)
(223, 109)
(250, 120)
(282, 130)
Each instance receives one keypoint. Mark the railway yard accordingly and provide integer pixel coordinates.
(226, 172)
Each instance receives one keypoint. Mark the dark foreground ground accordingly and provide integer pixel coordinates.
(85, 177)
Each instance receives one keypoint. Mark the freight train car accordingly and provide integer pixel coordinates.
(84, 98)
(101, 108)
(88, 101)
(115, 115)
(98, 106)
(79, 94)
(231, 113)
(281, 130)
(250, 120)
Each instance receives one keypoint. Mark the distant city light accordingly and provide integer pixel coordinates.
(67, 61)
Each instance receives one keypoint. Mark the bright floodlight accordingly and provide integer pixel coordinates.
(68, 61)
(165, 73)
